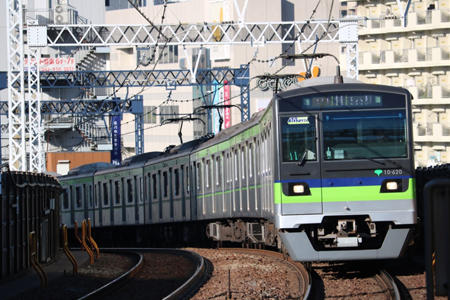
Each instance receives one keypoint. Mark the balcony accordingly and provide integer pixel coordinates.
(424, 17)
(424, 54)
(401, 56)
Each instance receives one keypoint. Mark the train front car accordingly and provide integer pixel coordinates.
(344, 186)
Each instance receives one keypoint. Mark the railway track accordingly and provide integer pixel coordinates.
(358, 281)
(241, 273)
(158, 274)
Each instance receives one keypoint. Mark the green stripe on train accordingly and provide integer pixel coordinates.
(343, 194)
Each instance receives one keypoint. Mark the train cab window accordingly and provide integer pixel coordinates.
(365, 134)
(78, 197)
(176, 175)
(165, 184)
(117, 192)
(105, 194)
(154, 186)
(298, 138)
(129, 191)
(65, 199)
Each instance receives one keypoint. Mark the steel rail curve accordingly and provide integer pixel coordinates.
(184, 291)
(387, 281)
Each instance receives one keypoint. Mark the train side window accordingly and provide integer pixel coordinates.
(85, 196)
(105, 194)
(243, 162)
(188, 180)
(65, 199)
(165, 184)
(129, 191)
(250, 160)
(136, 189)
(117, 192)
(91, 204)
(258, 157)
(176, 175)
(218, 170)
(199, 175)
(122, 189)
(78, 197)
(155, 190)
(98, 194)
(208, 173)
(141, 187)
(236, 169)
(228, 163)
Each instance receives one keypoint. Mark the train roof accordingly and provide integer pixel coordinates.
(141, 158)
(90, 168)
(233, 130)
(325, 84)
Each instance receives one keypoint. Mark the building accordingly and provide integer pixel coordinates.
(228, 56)
(61, 133)
(415, 56)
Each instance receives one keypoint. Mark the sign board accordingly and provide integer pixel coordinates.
(53, 64)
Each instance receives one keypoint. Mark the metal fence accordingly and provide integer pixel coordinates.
(29, 202)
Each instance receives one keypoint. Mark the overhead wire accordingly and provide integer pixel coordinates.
(248, 64)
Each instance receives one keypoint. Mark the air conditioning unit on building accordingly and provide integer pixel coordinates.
(61, 13)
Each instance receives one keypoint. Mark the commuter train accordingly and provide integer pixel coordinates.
(325, 172)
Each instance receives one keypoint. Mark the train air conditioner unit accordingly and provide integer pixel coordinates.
(61, 14)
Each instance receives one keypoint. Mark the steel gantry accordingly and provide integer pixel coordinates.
(225, 33)
(16, 89)
(94, 108)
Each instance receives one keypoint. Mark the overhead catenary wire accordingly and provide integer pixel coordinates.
(327, 31)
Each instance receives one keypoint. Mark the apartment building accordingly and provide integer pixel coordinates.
(156, 137)
(416, 57)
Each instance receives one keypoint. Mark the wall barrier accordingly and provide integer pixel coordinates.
(29, 202)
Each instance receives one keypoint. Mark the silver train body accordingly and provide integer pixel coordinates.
(310, 173)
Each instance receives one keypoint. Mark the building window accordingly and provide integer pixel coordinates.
(138, 3)
(145, 55)
(150, 114)
(168, 54)
(168, 111)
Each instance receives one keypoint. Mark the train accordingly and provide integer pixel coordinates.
(325, 172)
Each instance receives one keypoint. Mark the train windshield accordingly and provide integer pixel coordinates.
(364, 134)
(298, 135)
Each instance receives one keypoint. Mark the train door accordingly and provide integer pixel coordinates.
(299, 189)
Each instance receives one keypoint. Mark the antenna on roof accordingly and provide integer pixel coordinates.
(338, 79)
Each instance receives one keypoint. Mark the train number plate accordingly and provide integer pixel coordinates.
(347, 242)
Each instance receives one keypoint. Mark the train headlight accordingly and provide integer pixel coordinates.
(391, 185)
(298, 189)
